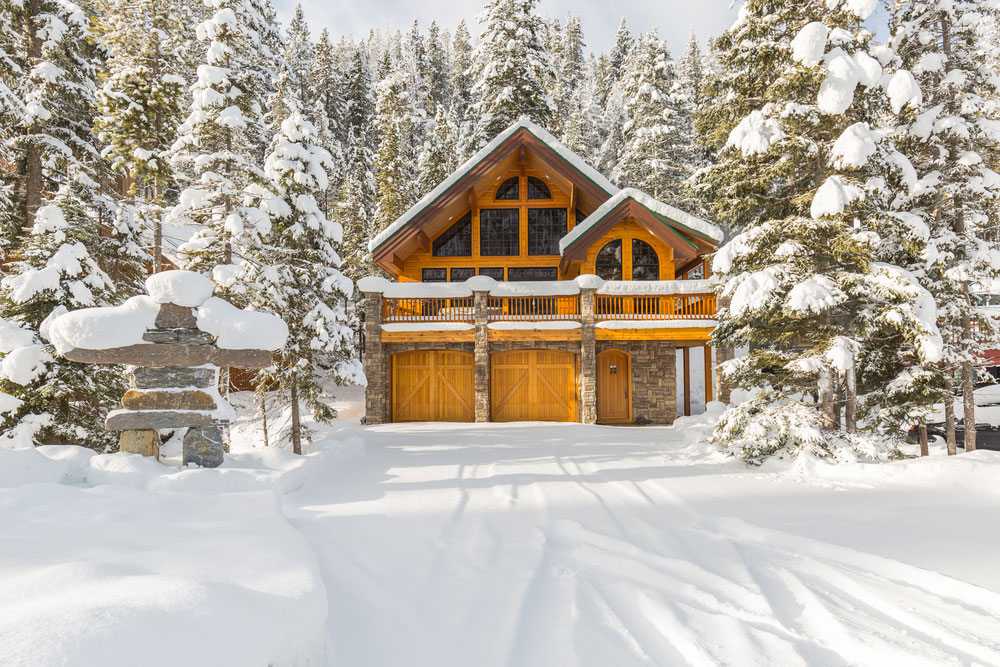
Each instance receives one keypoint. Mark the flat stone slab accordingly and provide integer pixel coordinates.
(151, 399)
(145, 442)
(124, 420)
(172, 316)
(162, 354)
(203, 446)
(192, 336)
(153, 377)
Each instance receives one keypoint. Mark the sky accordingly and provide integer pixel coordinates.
(600, 18)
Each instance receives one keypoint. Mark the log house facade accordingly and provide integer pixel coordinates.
(528, 287)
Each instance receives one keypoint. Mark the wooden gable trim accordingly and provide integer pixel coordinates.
(522, 140)
(683, 248)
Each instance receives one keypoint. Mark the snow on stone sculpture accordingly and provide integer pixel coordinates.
(175, 341)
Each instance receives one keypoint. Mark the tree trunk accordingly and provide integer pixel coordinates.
(296, 434)
(826, 406)
(969, 405)
(263, 414)
(851, 400)
(949, 421)
(33, 183)
(924, 450)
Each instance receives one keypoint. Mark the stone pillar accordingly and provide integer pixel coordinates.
(588, 357)
(480, 313)
(723, 387)
(203, 445)
(376, 371)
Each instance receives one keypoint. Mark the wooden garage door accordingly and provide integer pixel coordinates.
(433, 386)
(533, 385)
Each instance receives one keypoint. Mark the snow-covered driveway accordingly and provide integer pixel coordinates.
(542, 544)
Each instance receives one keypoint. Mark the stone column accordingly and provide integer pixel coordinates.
(480, 313)
(376, 371)
(723, 387)
(588, 357)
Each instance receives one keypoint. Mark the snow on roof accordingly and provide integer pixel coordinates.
(654, 205)
(523, 123)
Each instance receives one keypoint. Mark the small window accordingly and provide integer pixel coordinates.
(545, 227)
(509, 189)
(533, 273)
(494, 272)
(456, 241)
(458, 275)
(537, 189)
(645, 262)
(499, 232)
(609, 261)
(434, 275)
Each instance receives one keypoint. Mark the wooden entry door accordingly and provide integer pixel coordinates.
(614, 387)
(533, 385)
(433, 386)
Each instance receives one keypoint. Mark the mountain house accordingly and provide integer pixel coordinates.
(527, 287)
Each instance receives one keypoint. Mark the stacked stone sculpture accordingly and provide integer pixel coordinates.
(174, 371)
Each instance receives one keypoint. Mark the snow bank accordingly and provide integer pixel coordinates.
(116, 576)
(534, 325)
(236, 329)
(106, 327)
(428, 326)
(654, 324)
(185, 288)
(657, 207)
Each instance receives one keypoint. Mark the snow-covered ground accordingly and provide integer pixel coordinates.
(500, 544)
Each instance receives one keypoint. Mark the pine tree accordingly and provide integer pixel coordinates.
(687, 98)
(395, 176)
(218, 141)
(811, 291)
(300, 55)
(296, 276)
(436, 76)
(618, 58)
(437, 160)
(583, 132)
(652, 159)
(328, 114)
(950, 50)
(511, 66)
(140, 102)
(462, 98)
(570, 67)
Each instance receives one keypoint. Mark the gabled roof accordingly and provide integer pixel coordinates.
(689, 235)
(521, 133)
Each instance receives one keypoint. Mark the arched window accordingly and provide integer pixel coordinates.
(537, 189)
(645, 261)
(609, 261)
(509, 189)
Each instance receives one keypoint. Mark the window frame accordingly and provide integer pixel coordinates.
(517, 189)
(530, 182)
(656, 255)
(554, 244)
(621, 259)
(515, 220)
(434, 243)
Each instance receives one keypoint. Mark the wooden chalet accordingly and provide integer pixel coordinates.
(527, 286)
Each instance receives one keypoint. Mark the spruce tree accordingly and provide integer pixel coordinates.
(511, 66)
(436, 76)
(952, 53)
(328, 114)
(395, 161)
(462, 98)
(810, 291)
(299, 55)
(296, 276)
(218, 142)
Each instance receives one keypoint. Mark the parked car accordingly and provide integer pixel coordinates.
(987, 435)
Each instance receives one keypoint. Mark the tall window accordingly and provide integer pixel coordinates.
(456, 241)
(645, 262)
(537, 189)
(509, 189)
(609, 261)
(545, 227)
(499, 232)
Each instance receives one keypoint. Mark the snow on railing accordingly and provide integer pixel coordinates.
(427, 310)
(673, 307)
(533, 308)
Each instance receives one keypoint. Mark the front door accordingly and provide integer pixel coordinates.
(614, 387)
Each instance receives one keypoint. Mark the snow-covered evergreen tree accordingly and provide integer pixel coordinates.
(437, 160)
(140, 102)
(300, 55)
(218, 143)
(809, 291)
(653, 154)
(328, 114)
(511, 66)
(436, 76)
(462, 98)
(951, 135)
(570, 65)
(395, 161)
(296, 276)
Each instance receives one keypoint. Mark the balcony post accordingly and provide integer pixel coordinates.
(377, 392)
(588, 357)
(480, 313)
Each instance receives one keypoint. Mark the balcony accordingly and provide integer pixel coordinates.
(683, 308)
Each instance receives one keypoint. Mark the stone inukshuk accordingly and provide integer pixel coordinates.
(174, 341)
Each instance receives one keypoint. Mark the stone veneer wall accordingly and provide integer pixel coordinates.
(654, 378)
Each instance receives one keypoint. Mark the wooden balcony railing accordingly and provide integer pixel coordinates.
(534, 308)
(671, 307)
(427, 310)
